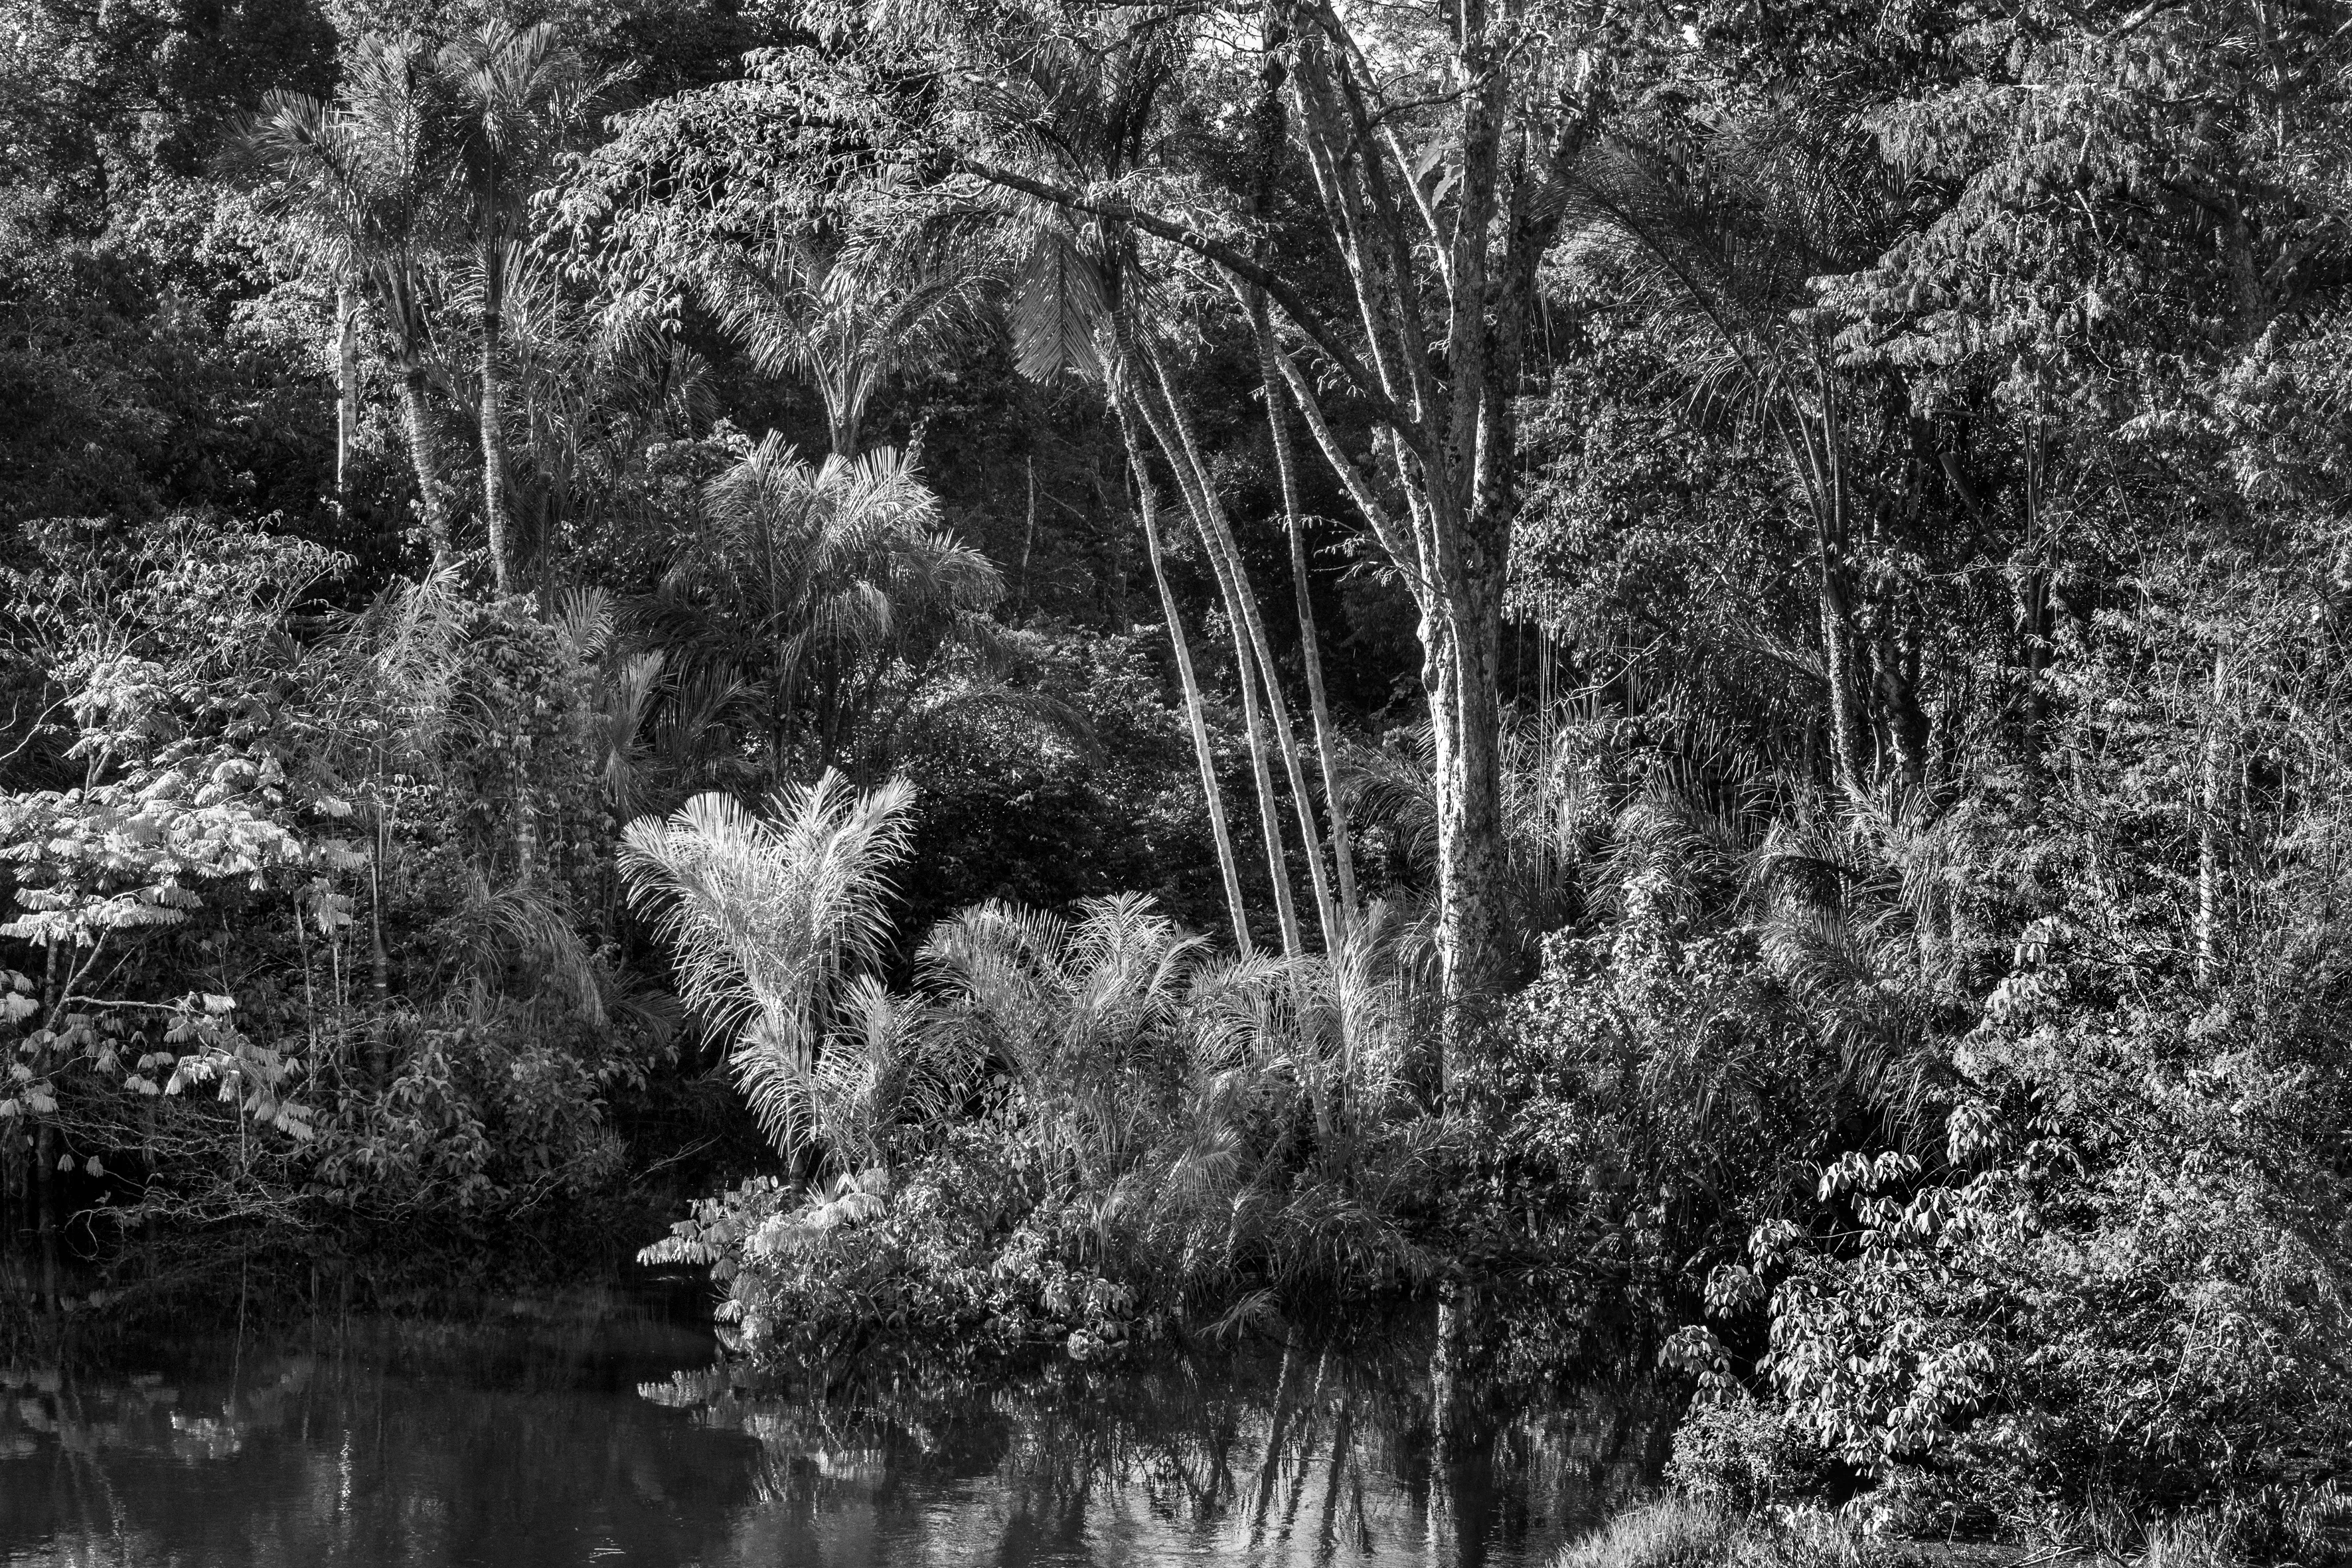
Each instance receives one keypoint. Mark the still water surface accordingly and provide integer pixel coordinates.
(597, 1432)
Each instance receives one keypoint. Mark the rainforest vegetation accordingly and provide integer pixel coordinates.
(1663, 680)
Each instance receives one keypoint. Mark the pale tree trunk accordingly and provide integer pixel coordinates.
(1441, 276)
(1148, 508)
(1451, 432)
(494, 442)
(2209, 829)
(1837, 659)
(347, 391)
(1286, 462)
(1269, 806)
(379, 959)
(1217, 534)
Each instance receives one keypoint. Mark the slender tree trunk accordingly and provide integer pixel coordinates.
(1148, 508)
(494, 443)
(1155, 416)
(346, 390)
(1837, 659)
(526, 832)
(1286, 462)
(2208, 830)
(1249, 627)
(424, 455)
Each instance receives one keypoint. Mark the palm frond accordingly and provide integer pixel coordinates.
(767, 918)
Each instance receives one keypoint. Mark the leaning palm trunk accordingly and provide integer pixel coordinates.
(1148, 506)
(1269, 804)
(1285, 463)
(1216, 533)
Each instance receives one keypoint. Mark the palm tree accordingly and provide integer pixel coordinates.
(1068, 1010)
(770, 922)
(361, 177)
(518, 91)
(845, 319)
(823, 577)
(1078, 309)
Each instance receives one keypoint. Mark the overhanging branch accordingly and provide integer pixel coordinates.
(1229, 257)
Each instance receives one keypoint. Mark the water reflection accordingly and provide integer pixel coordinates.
(568, 1438)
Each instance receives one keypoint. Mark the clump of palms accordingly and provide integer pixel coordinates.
(1298, 1147)
(775, 926)
(832, 587)
(514, 96)
(1206, 1130)
(363, 179)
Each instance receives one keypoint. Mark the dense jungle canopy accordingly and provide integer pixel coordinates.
(1667, 677)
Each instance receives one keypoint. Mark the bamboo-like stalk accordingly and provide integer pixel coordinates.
(1216, 533)
(1147, 509)
(1253, 714)
(1286, 462)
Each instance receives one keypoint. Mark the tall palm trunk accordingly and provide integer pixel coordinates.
(1286, 462)
(1217, 534)
(346, 390)
(423, 454)
(1156, 417)
(1148, 507)
(494, 446)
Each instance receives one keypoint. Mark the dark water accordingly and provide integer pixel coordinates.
(595, 1432)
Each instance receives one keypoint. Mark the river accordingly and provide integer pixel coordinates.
(599, 1429)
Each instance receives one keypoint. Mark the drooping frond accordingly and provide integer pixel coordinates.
(1057, 311)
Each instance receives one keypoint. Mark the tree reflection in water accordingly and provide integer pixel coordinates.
(561, 1435)
(1307, 1456)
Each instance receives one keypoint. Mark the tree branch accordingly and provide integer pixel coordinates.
(1226, 255)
